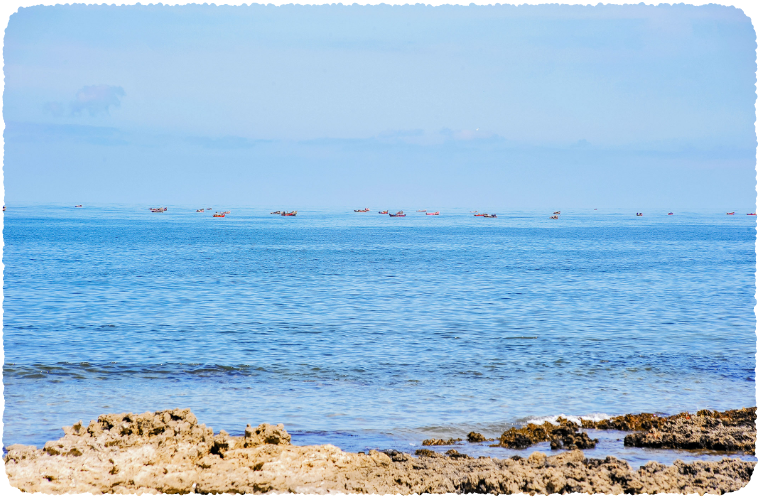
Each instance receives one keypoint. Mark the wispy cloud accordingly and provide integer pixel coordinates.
(97, 99)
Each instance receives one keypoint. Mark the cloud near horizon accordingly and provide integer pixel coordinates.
(97, 99)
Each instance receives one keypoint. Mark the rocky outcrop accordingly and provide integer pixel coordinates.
(440, 442)
(169, 452)
(476, 437)
(697, 432)
(565, 435)
(649, 421)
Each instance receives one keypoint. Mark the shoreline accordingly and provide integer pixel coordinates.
(170, 452)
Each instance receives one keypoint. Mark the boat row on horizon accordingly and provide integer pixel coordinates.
(400, 213)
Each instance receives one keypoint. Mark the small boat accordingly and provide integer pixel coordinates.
(670, 213)
(227, 212)
(290, 214)
(383, 212)
(422, 210)
(365, 210)
(159, 210)
(433, 213)
(200, 210)
(219, 214)
(473, 211)
(492, 216)
(554, 217)
(209, 208)
(730, 213)
(400, 213)
(3, 208)
(638, 214)
(77, 206)
(751, 214)
(556, 213)
(275, 213)
(479, 215)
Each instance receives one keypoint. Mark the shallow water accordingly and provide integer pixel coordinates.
(363, 327)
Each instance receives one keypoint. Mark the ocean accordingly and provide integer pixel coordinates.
(366, 331)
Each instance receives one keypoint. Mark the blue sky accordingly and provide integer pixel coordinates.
(329, 106)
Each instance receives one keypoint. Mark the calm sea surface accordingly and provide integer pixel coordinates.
(369, 331)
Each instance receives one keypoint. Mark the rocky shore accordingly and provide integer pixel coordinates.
(170, 452)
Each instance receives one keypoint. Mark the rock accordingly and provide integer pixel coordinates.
(440, 442)
(456, 454)
(475, 437)
(266, 434)
(702, 431)
(169, 452)
(565, 435)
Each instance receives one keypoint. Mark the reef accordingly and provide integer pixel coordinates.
(170, 452)
(564, 435)
(440, 442)
(701, 431)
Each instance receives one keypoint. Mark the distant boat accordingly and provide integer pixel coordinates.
(159, 210)
(77, 206)
(556, 213)
(365, 210)
(639, 214)
(227, 212)
(218, 214)
(209, 208)
(383, 212)
(275, 213)
(751, 214)
(730, 213)
(554, 217)
(479, 215)
(400, 213)
(670, 213)
(290, 214)
(3, 208)
(433, 213)
(492, 216)
(200, 210)
(473, 211)
(422, 210)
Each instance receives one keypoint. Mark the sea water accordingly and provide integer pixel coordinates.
(367, 331)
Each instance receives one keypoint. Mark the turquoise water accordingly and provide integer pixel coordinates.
(371, 331)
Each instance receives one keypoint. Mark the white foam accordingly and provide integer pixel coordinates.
(554, 419)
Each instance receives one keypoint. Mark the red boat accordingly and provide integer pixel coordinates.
(383, 212)
(400, 213)
(290, 214)
(730, 213)
(365, 210)
(670, 213)
(219, 214)
(751, 214)
(432, 213)
(479, 215)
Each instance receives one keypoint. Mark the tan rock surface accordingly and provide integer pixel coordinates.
(169, 452)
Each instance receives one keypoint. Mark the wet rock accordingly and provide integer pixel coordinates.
(440, 442)
(456, 454)
(565, 435)
(649, 421)
(702, 431)
(169, 452)
(427, 453)
(475, 437)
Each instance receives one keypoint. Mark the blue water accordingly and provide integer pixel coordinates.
(370, 331)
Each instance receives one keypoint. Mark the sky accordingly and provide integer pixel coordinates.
(351, 106)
